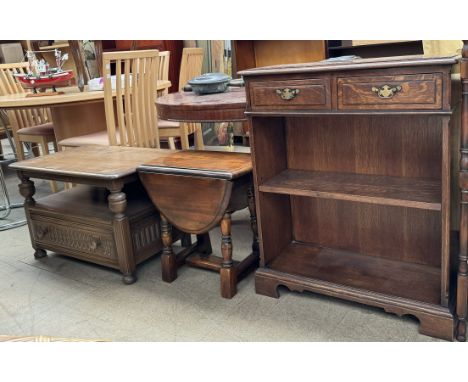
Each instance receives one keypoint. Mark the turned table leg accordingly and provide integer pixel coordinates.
(117, 204)
(186, 240)
(204, 244)
(168, 257)
(27, 190)
(227, 271)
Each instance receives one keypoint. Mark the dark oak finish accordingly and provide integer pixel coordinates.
(111, 221)
(311, 93)
(353, 199)
(462, 278)
(195, 191)
(377, 189)
(191, 107)
(418, 91)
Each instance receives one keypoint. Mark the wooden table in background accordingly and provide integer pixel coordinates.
(190, 107)
(74, 113)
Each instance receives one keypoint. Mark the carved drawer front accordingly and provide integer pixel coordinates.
(291, 94)
(76, 238)
(411, 91)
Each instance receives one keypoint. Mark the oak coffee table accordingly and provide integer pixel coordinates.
(107, 219)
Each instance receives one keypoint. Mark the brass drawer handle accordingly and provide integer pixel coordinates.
(386, 91)
(287, 94)
(95, 243)
(41, 232)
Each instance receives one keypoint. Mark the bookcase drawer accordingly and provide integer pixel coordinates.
(411, 91)
(313, 93)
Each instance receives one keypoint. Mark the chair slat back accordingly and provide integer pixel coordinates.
(190, 66)
(10, 85)
(164, 59)
(131, 116)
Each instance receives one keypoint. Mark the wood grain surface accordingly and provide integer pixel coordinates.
(191, 107)
(104, 162)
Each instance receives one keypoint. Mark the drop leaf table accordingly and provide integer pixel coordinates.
(195, 191)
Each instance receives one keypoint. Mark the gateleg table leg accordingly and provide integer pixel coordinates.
(168, 257)
(227, 271)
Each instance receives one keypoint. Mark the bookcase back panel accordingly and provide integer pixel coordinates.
(381, 145)
(397, 233)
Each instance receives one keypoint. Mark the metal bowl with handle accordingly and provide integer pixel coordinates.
(209, 83)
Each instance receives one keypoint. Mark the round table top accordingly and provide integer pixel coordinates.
(191, 107)
(71, 95)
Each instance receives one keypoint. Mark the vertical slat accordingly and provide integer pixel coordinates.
(152, 107)
(150, 79)
(109, 103)
(141, 96)
(119, 103)
(135, 102)
(147, 99)
(48, 115)
(35, 116)
(128, 104)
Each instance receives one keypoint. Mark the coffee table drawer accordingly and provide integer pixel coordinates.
(411, 91)
(311, 93)
(78, 240)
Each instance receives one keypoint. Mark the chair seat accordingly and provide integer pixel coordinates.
(165, 124)
(100, 138)
(44, 129)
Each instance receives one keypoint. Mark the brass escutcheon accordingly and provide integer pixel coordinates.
(386, 91)
(287, 94)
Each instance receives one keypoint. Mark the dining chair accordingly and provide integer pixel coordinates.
(131, 113)
(32, 125)
(163, 72)
(191, 66)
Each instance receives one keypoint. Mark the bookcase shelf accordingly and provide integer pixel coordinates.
(395, 278)
(376, 189)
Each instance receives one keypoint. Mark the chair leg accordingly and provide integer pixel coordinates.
(171, 142)
(44, 144)
(198, 137)
(184, 141)
(19, 148)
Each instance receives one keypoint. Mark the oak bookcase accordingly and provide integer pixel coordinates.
(352, 180)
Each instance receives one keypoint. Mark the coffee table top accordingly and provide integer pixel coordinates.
(213, 164)
(96, 162)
